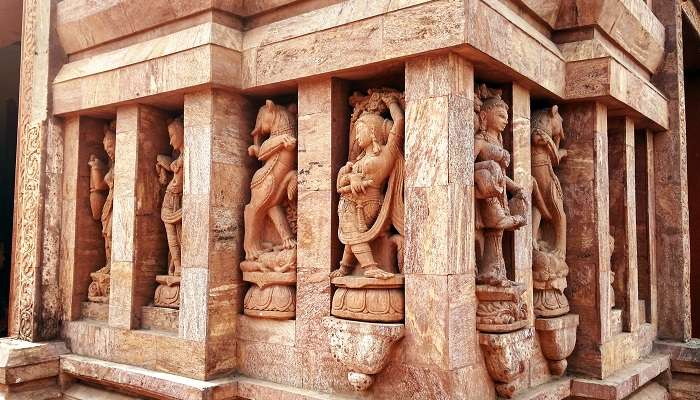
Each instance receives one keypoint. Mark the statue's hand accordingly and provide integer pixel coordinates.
(289, 142)
(253, 150)
(505, 159)
(562, 153)
(356, 184)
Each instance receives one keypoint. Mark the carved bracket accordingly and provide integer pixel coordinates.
(557, 340)
(362, 347)
(506, 355)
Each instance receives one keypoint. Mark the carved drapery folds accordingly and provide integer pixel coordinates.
(270, 217)
(556, 328)
(369, 283)
(101, 199)
(169, 168)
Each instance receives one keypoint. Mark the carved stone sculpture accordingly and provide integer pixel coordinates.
(371, 211)
(101, 195)
(171, 173)
(270, 217)
(500, 305)
(505, 356)
(557, 340)
(361, 347)
(549, 268)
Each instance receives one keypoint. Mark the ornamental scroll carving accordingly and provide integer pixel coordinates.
(28, 192)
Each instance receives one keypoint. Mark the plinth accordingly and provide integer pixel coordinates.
(369, 299)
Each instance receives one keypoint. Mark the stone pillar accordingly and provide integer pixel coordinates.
(671, 181)
(217, 172)
(81, 236)
(322, 151)
(584, 180)
(623, 219)
(35, 303)
(521, 161)
(439, 264)
(139, 246)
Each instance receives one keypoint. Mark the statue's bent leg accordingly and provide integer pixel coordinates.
(174, 246)
(253, 225)
(364, 255)
(345, 263)
(279, 219)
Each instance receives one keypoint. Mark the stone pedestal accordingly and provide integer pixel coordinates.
(98, 291)
(272, 294)
(369, 299)
(500, 309)
(506, 355)
(168, 291)
(363, 348)
(29, 370)
(557, 340)
(549, 272)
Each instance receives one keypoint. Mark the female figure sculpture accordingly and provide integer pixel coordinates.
(371, 184)
(493, 210)
(371, 212)
(170, 173)
(101, 181)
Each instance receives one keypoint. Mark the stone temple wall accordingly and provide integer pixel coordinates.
(275, 199)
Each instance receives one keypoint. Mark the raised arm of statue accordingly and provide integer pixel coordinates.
(395, 141)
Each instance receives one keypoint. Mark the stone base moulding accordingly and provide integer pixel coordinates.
(500, 309)
(271, 295)
(369, 299)
(362, 347)
(30, 370)
(557, 340)
(506, 355)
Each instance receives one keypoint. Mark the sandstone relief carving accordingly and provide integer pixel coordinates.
(101, 194)
(371, 211)
(369, 283)
(556, 328)
(549, 268)
(506, 356)
(270, 217)
(500, 307)
(171, 175)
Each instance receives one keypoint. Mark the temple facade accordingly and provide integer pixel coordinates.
(350, 199)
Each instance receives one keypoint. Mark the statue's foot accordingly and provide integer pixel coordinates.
(253, 254)
(493, 280)
(376, 272)
(342, 271)
(289, 244)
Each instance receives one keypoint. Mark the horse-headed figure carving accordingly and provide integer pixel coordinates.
(270, 217)
(548, 217)
(274, 185)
